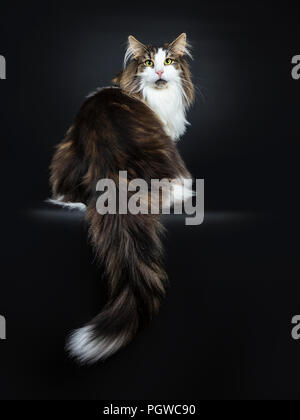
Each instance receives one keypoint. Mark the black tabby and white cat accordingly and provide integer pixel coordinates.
(130, 127)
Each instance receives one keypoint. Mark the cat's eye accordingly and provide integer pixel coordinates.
(168, 61)
(149, 63)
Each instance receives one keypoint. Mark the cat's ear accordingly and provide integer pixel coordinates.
(180, 46)
(134, 49)
(136, 46)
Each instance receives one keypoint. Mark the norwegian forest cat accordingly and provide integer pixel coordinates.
(131, 127)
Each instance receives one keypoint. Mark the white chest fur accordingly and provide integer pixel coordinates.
(168, 105)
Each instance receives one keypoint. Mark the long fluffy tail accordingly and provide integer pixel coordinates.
(130, 249)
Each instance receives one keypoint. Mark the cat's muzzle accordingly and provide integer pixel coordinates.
(161, 83)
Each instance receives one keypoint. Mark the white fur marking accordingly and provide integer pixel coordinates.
(71, 206)
(159, 59)
(84, 345)
(168, 103)
(182, 190)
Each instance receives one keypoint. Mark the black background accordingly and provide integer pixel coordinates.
(224, 331)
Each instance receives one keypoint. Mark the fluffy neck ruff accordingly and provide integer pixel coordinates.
(168, 103)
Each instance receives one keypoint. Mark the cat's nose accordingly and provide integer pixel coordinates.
(159, 73)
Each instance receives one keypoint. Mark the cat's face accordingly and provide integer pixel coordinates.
(146, 66)
(158, 66)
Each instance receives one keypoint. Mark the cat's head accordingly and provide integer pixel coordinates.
(146, 66)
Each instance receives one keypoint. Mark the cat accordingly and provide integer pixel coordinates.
(132, 126)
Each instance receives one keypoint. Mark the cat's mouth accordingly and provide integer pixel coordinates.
(161, 83)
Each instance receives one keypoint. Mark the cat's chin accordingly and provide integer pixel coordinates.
(161, 84)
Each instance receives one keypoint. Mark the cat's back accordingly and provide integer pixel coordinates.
(109, 99)
(112, 107)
